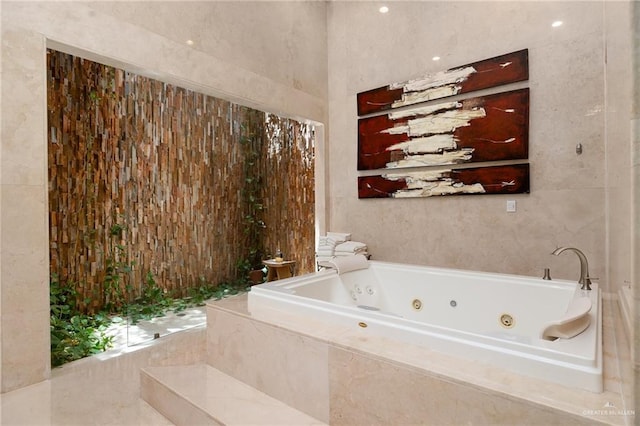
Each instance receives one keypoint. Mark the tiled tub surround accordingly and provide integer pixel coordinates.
(494, 318)
(341, 375)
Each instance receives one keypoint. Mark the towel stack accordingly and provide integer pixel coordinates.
(336, 244)
(340, 237)
(326, 246)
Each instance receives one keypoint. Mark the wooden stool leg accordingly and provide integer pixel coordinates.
(283, 272)
(271, 273)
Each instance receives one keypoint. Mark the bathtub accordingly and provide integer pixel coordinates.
(492, 318)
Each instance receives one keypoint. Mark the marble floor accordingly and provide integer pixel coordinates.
(77, 399)
(105, 389)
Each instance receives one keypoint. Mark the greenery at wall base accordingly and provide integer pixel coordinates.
(75, 335)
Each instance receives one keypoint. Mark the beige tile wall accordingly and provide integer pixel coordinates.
(568, 200)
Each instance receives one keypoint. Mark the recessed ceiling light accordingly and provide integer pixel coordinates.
(384, 9)
(436, 58)
(189, 42)
(556, 24)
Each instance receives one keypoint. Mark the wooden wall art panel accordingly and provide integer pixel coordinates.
(509, 68)
(511, 179)
(487, 128)
(149, 174)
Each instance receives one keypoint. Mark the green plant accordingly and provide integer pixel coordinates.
(156, 303)
(78, 337)
(73, 335)
(198, 295)
(226, 289)
(152, 303)
(62, 299)
(253, 223)
(117, 267)
(151, 292)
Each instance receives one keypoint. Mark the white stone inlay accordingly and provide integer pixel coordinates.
(445, 122)
(430, 183)
(432, 86)
(449, 157)
(429, 144)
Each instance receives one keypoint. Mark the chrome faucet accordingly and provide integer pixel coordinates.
(584, 266)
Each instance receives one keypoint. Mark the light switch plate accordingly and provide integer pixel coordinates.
(511, 206)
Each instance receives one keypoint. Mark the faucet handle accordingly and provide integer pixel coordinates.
(547, 275)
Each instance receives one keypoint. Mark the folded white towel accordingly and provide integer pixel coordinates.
(321, 257)
(344, 264)
(345, 254)
(327, 248)
(327, 241)
(325, 253)
(350, 246)
(340, 236)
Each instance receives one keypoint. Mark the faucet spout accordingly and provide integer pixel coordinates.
(584, 280)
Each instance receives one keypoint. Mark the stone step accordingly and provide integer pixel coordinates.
(202, 395)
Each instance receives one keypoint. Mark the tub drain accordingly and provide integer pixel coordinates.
(507, 321)
(417, 304)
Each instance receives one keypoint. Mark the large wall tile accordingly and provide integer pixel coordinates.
(26, 359)
(25, 286)
(23, 150)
